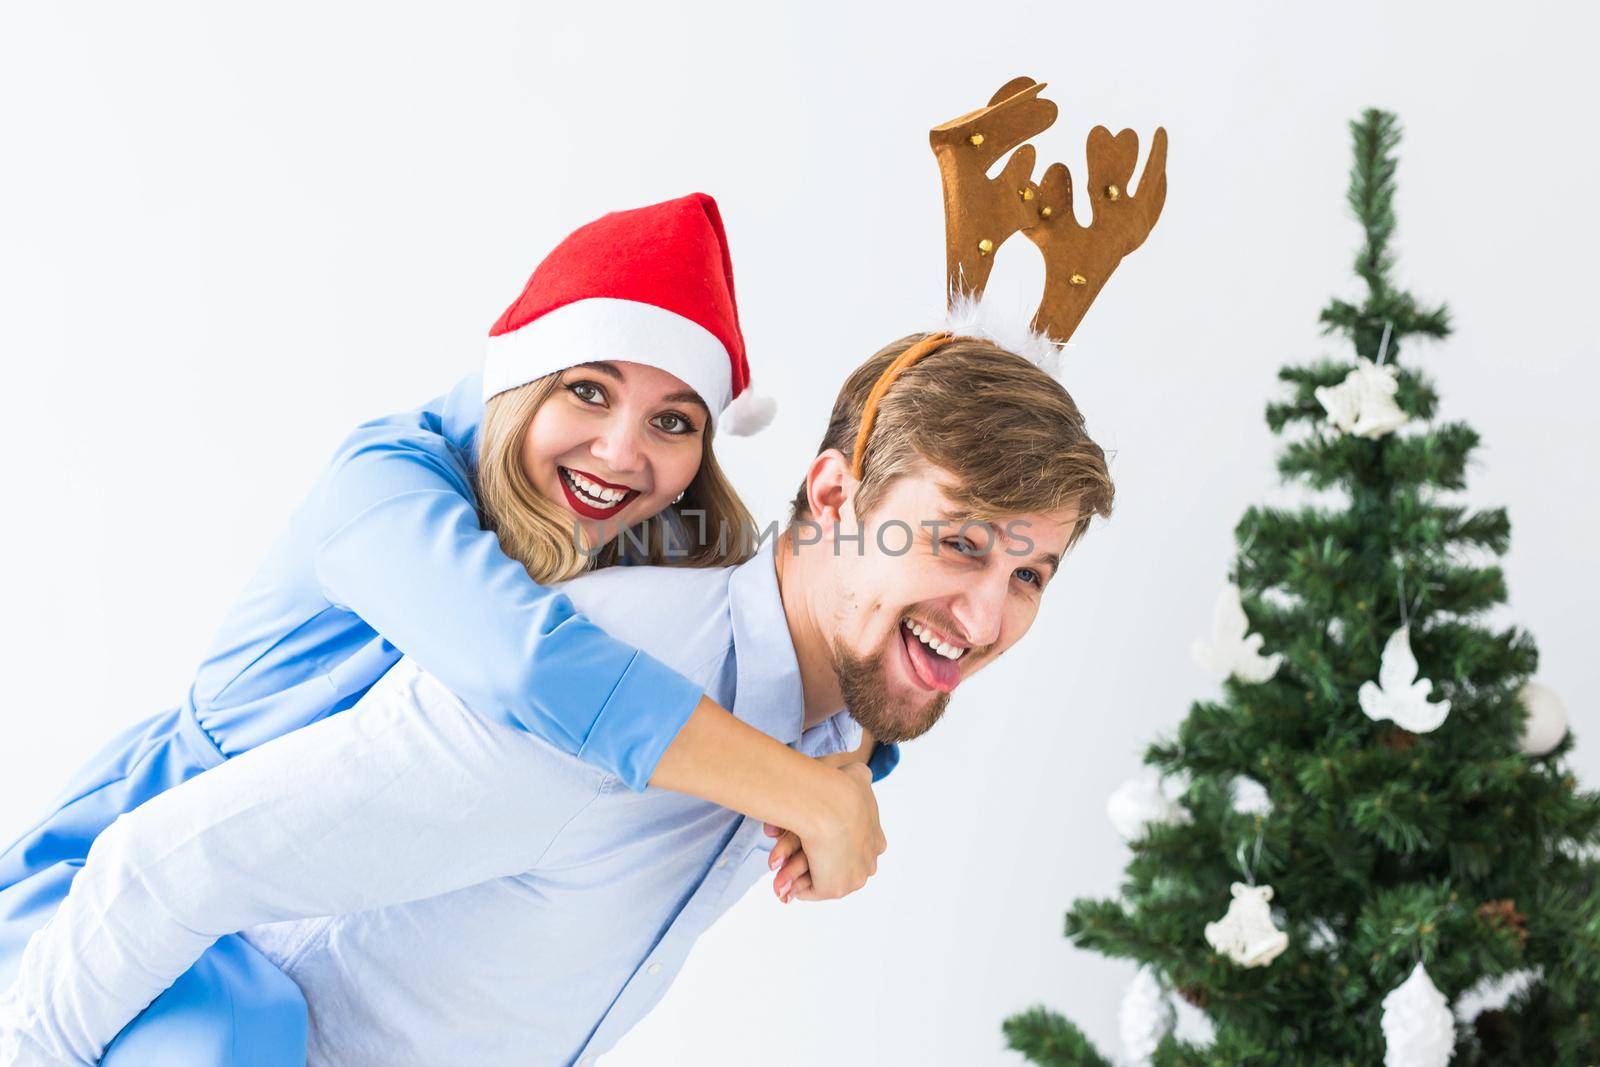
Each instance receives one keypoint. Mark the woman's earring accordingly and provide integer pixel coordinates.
(679, 496)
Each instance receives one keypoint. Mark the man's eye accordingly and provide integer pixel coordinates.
(1031, 576)
(963, 546)
(588, 392)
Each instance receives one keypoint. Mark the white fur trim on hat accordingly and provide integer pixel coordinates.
(749, 413)
(607, 328)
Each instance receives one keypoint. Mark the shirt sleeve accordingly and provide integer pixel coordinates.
(407, 795)
(398, 542)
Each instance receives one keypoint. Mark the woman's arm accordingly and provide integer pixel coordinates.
(406, 795)
(398, 543)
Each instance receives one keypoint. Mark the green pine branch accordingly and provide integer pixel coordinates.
(1049, 1040)
(1371, 197)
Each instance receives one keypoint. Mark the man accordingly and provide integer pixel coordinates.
(442, 889)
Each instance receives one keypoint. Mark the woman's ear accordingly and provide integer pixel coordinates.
(829, 486)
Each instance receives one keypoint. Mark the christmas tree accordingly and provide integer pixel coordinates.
(1375, 816)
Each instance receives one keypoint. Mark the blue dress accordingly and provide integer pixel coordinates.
(385, 556)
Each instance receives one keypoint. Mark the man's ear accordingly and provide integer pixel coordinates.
(829, 486)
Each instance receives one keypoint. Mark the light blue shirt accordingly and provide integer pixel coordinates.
(443, 889)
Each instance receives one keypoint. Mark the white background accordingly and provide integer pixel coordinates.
(229, 233)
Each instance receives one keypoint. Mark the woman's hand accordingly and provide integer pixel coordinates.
(833, 861)
(792, 877)
(827, 801)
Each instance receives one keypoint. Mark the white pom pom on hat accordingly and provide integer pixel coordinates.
(748, 413)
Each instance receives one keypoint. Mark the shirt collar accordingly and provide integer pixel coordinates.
(767, 674)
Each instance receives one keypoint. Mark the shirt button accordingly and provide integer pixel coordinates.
(654, 968)
(722, 862)
(587, 1061)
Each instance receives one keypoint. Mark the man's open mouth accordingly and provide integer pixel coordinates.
(592, 497)
(935, 660)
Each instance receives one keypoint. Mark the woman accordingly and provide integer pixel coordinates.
(594, 413)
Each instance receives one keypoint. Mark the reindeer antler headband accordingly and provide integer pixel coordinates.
(982, 213)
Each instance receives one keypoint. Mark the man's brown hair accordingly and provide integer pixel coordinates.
(1010, 435)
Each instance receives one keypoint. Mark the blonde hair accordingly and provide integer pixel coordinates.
(1010, 435)
(538, 533)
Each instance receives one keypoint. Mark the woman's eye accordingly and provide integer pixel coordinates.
(674, 424)
(1031, 576)
(588, 392)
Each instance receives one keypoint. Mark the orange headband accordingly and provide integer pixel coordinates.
(869, 410)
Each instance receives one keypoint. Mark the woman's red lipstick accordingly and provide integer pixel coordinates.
(582, 506)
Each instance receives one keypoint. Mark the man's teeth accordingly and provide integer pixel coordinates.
(922, 634)
(597, 495)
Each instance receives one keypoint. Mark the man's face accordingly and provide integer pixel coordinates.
(923, 602)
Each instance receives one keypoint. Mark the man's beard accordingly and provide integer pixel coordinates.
(866, 695)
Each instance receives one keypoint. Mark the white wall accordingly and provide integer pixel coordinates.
(228, 233)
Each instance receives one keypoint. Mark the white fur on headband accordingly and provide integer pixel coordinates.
(970, 315)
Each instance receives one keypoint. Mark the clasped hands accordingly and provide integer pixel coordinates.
(841, 853)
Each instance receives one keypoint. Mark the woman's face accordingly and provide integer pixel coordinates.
(615, 444)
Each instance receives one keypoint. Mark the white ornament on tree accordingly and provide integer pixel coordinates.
(1250, 797)
(1147, 1015)
(1321, 936)
(1139, 803)
(1194, 1027)
(1418, 1026)
(1246, 934)
(1493, 992)
(1547, 719)
(1363, 404)
(1231, 650)
(1399, 695)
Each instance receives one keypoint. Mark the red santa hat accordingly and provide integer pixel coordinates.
(651, 285)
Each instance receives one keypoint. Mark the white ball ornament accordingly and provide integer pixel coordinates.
(1418, 1027)
(1140, 803)
(1250, 797)
(1547, 719)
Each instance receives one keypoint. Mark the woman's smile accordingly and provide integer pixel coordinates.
(591, 496)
